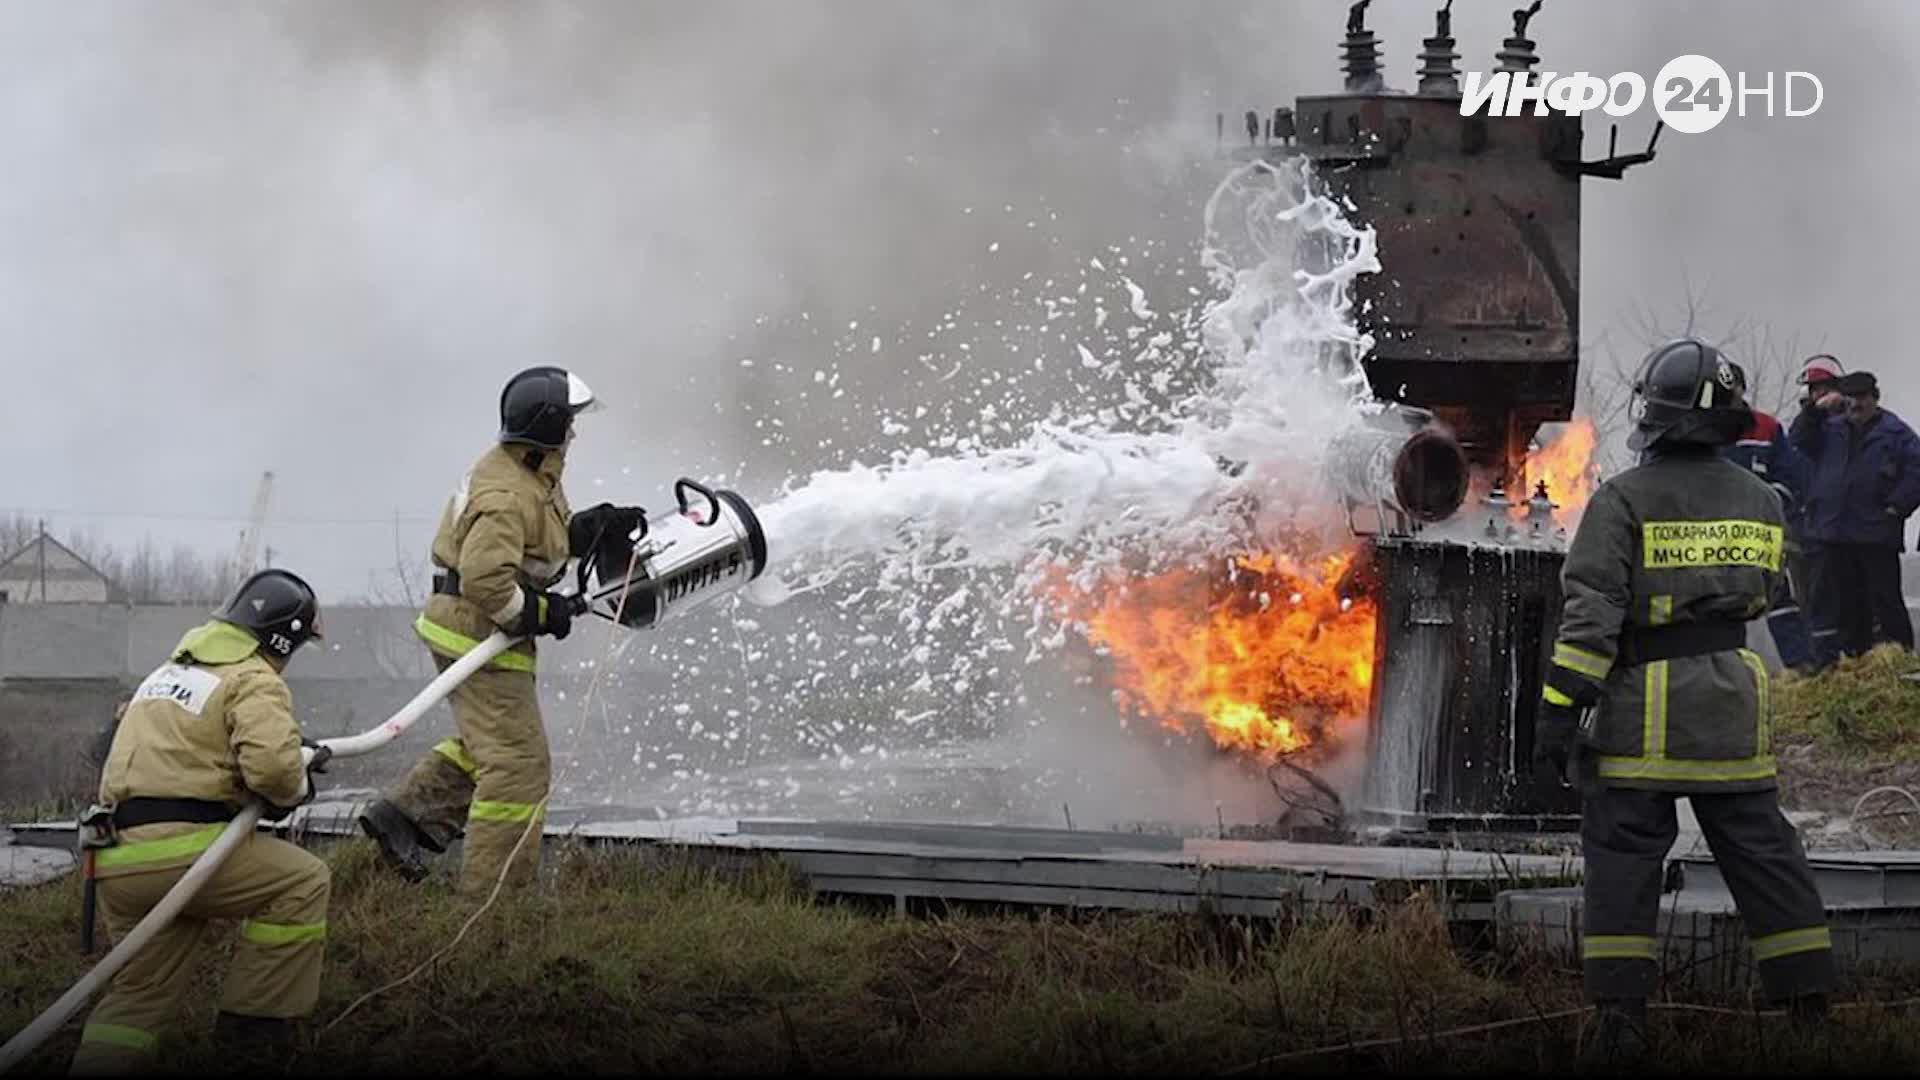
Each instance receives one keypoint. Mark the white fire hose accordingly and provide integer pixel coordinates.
(162, 913)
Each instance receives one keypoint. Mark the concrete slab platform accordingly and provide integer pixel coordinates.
(1704, 943)
(1886, 878)
(911, 864)
(22, 865)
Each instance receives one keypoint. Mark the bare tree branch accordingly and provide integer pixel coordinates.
(1771, 358)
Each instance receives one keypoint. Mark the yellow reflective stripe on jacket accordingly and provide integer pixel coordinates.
(1789, 942)
(1618, 947)
(118, 1035)
(1660, 610)
(458, 644)
(140, 852)
(1555, 697)
(1679, 769)
(1654, 726)
(1763, 737)
(1653, 733)
(266, 933)
(456, 751)
(1575, 658)
(482, 810)
(1672, 545)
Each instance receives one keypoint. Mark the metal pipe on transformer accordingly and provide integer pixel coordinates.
(1422, 472)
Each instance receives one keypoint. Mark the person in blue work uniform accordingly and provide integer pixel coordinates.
(1817, 376)
(1764, 449)
(1865, 484)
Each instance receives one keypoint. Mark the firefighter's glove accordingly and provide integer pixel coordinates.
(311, 787)
(1554, 731)
(586, 529)
(548, 613)
(321, 755)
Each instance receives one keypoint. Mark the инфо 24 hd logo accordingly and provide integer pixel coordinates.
(1692, 93)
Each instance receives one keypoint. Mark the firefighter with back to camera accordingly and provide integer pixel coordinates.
(1653, 686)
(208, 730)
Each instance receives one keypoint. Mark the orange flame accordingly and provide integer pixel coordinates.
(1566, 464)
(1268, 658)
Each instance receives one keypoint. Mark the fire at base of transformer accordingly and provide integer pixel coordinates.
(1425, 641)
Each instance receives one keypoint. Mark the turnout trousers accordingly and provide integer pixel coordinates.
(489, 781)
(278, 891)
(1625, 835)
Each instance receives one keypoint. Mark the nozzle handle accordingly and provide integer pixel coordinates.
(680, 487)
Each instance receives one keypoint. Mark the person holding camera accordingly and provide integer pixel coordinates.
(1866, 483)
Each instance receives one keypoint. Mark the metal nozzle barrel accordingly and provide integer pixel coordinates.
(711, 546)
(1421, 473)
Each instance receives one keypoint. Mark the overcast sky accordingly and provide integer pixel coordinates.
(316, 238)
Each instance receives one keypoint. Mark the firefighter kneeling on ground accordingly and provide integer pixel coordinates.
(1669, 563)
(503, 543)
(204, 733)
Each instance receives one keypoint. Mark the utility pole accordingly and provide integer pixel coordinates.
(43, 560)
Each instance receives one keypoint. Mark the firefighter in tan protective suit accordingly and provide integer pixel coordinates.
(204, 733)
(1671, 560)
(503, 543)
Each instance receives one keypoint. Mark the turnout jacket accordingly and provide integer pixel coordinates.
(504, 527)
(212, 724)
(1687, 539)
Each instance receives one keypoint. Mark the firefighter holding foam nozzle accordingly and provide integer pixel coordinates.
(502, 546)
(1650, 677)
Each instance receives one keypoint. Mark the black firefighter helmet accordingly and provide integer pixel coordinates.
(538, 405)
(279, 608)
(1687, 393)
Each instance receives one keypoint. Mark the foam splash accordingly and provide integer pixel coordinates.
(1283, 352)
(907, 606)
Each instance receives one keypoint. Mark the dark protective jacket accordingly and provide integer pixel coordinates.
(1686, 538)
(1865, 477)
(1765, 450)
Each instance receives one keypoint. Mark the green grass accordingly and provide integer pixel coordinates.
(624, 964)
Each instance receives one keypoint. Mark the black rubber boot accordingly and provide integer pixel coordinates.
(401, 844)
(1619, 1036)
(253, 1040)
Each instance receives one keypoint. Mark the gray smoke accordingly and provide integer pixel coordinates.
(316, 238)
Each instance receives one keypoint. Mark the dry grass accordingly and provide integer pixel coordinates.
(1849, 730)
(624, 964)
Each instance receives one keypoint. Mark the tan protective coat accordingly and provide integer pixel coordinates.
(212, 724)
(506, 526)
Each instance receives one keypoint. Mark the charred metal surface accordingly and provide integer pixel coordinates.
(1476, 315)
(1464, 637)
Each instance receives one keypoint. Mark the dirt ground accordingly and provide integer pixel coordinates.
(1848, 742)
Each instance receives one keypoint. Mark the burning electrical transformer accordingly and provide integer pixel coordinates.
(1476, 328)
